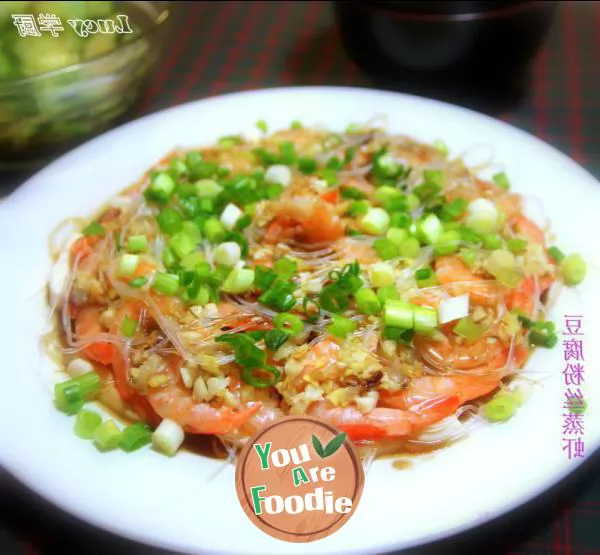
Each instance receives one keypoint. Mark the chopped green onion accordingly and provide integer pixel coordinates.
(330, 176)
(340, 326)
(239, 281)
(501, 264)
(483, 216)
(86, 423)
(230, 140)
(287, 152)
(400, 220)
(67, 396)
(137, 243)
(386, 249)
(388, 292)
(128, 263)
(353, 193)
(296, 124)
(492, 241)
(289, 323)
(129, 326)
(138, 282)
(95, 229)
(423, 273)
(358, 208)
(275, 339)
(398, 314)
(468, 329)
(134, 437)
(375, 222)
(207, 188)
(428, 189)
(413, 202)
(385, 195)
(556, 254)
(501, 408)
(333, 299)
(307, 165)
(573, 269)
(214, 230)
(168, 257)
(577, 407)
(311, 309)
(542, 338)
(409, 248)
(191, 260)
(398, 334)
(382, 274)
(441, 147)
(166, 284)
(285, 267)
(469, 257)
(516, 245)
(160, 189)
(243, 222)
(469, 236)
(169, 221)
(426, 319)
(429, 229)
(261, 124)
(397, 235)
(447, 243)
(264, 277)
(367, 301)
(384, 165)
(182, 244)
(266, 376)
(107, 435)
(501, 179)
(279, 296)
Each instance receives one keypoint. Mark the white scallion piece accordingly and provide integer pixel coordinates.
(279, 174)
(227, 254)
(453, 308)
(168, 437)
(230, 216)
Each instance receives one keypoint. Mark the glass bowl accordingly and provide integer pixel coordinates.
(46, 114)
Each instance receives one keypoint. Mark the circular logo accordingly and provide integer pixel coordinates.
(299, 479)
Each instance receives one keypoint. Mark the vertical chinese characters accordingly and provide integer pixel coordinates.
(573, 379)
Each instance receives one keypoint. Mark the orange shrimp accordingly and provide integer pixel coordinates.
(378, 424)
(305, 219)
(176, 402)
(87, 323)
(452, 271)
(429, 388)
(528, 229)
(523, 297)
(450, 353)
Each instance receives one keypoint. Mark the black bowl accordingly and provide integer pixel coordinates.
(444, 48)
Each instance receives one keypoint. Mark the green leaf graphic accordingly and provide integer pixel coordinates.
(318, 447)
(334, 445)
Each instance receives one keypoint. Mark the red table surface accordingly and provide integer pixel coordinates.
(219, 47)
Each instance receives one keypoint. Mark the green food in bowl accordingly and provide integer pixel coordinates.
(62, 86)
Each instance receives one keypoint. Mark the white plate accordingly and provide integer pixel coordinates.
(185, 503)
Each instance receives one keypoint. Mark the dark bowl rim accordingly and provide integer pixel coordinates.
(507, 11)
(161, 18)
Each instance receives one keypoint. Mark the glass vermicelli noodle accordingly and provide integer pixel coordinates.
(359, 277)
